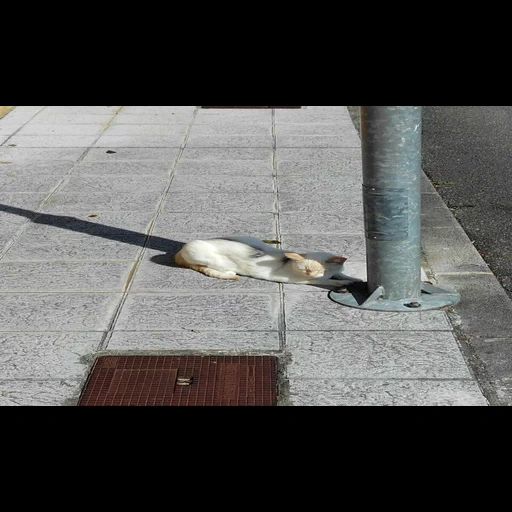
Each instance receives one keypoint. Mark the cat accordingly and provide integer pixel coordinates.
(229, 258)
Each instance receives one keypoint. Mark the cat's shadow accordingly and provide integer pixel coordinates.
(167, 260)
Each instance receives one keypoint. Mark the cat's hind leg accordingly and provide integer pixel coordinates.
(215, 273)
(178, 258)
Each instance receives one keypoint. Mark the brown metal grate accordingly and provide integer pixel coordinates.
(250, 107)
(181, 381)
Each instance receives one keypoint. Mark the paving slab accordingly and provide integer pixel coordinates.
(216, 223)
(7, 129)
(18, 115)
(320, 202)
(349, 246)
(29, 183)
(39, 393)
(323, 154)
(262, 129)
(196, 341)
(56, 311)
(213, 183)
(10, 224)
(311, 117)
(375, 355)
(239, 120)
(64, 276)
(80, 110)
(114, 153)
(17, 155)
(94, 201)
(350, 164)
(199, 154)
(125, 183)
(123, 168)
(63, 245)
(162, 130)
(30, 355)
(36, 168)
(203, 312)
(350, 221)
(349, 184)
(340, 130)
(208, 115)
(228, 202)
(218, 167)
(61, 129)
(308, 311)
(350, 140)
(167, 118)
(390, 393)
(70, 119)
(103, 224)
(229, 141)
(157, 110)
(134, 141)
(51, 141)
(22, 200)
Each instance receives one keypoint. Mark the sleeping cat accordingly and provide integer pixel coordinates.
(228, 258)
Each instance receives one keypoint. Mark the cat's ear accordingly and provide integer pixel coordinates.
(336, 259)
(294, 256)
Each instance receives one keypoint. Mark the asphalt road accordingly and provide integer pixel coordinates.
(467, 154)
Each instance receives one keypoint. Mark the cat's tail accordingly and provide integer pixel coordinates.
(180, 260)
(254, 243)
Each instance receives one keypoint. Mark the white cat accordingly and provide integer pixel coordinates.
(228, 258)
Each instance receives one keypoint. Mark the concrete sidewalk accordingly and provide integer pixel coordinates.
(95, 200)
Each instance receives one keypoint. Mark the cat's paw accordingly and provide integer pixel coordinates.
(230, 275)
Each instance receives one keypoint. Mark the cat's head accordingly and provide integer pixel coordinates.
(316, 264)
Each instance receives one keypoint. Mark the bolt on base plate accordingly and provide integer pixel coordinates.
(432, 297)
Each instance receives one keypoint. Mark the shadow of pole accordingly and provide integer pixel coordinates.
(170, 247)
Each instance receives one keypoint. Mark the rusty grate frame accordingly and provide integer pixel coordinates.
(181, 380)
(249, 107)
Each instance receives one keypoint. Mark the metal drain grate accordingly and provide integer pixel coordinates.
(181, 381)
(250, 107)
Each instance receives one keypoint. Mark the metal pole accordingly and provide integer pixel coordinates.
(391, 151)
(391, 145)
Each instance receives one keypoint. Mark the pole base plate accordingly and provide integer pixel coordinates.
(432, 297)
